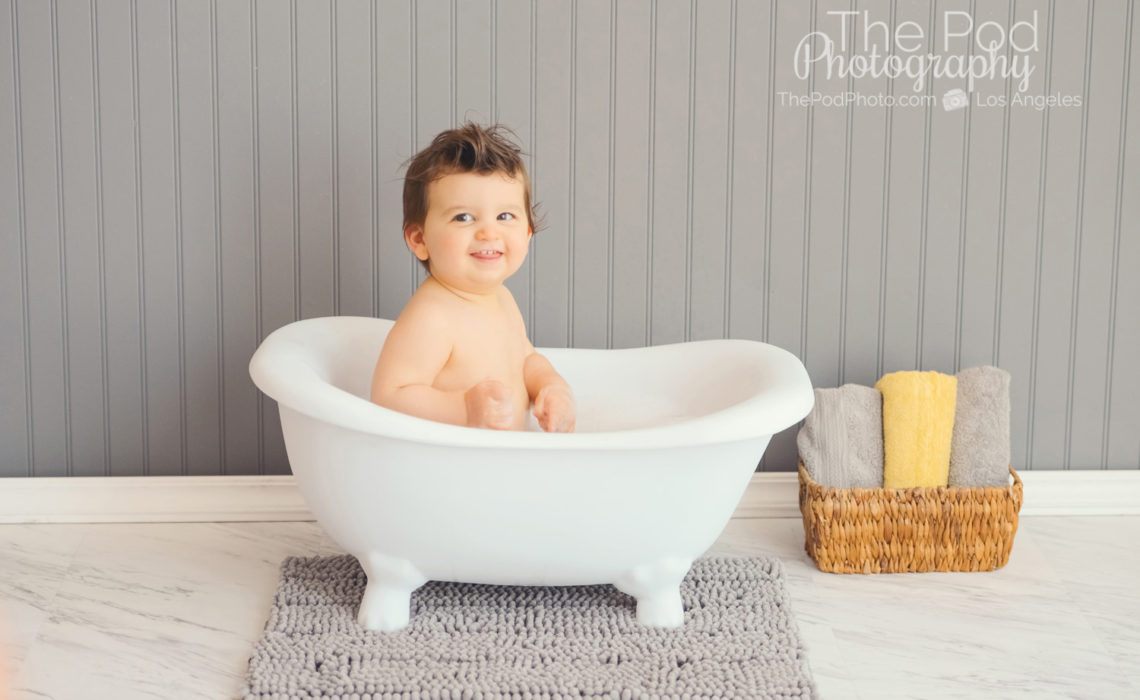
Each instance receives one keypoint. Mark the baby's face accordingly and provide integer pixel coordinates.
(476, 231)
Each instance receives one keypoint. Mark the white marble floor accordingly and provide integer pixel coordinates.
(172, 611)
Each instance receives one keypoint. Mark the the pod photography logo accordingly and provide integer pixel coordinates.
(855, 58)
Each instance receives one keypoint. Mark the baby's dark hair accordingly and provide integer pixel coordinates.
(471, 148)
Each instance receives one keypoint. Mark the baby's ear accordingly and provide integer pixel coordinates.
(414, 237)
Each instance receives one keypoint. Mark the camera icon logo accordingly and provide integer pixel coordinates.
(955, 99)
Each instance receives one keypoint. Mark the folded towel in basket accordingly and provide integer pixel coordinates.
(918, 419)
(979, 449)
(841, 441)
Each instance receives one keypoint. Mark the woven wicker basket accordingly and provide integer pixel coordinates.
(873, 531)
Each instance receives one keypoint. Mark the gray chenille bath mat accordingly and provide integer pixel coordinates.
(477, 641)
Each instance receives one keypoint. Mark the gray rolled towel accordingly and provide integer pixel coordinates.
(841, 441)
(979, 444)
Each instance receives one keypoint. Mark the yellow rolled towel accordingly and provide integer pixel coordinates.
(918, 422)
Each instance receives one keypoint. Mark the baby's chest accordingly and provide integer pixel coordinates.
(490, 353)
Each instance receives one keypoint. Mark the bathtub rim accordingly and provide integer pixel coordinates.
(280, 369)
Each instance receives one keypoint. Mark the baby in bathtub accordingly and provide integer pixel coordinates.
(458, 353)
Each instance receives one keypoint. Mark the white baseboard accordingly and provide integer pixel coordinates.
(276, 498)
(142, 499)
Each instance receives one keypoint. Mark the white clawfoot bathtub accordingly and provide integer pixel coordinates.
(667, 439)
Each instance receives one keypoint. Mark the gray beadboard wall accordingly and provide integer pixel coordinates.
(178, 179)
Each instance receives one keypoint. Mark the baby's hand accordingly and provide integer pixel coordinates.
(554, 408)
(490, 405)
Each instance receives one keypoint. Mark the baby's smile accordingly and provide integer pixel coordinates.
(488, 255)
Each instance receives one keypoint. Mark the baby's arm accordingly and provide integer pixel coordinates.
(412, 357)
(553, 401)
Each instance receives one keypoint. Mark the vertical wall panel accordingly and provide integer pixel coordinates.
(434, 70)
(315, 164)
(121, 200)
(354, 145)
(708, 211)
(1090, 322)
(471, 69)
(1024, 170)
(177, 180)
(552, 181)
(434, 89)
(82, 237)
(1062, 179)
(198, 236)
(786, 259)
(983, 231)
(865, 263)
(394, 123)
(903, 276)
(234, 71)
(163, 334)
(277, 232)
(827, 156)
(591, 183)
(942, 198)
(36, 63)
(672, 171)
(750, 206)
(14, 421)
(1123, 382)
(634, 46)
(511, 86)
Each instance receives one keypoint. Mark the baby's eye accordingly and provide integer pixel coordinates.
(463, 217)
(506, 216)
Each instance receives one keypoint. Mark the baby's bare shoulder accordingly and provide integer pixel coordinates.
(426, 312)
(511, 311)
(417, 347)
(507, 300)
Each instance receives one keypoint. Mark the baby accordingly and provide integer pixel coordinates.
(458, 353)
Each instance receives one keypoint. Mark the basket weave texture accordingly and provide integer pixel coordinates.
(873, 531)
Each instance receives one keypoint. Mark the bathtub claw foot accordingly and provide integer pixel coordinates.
(386, 605)
(657, 588)
(663, 610)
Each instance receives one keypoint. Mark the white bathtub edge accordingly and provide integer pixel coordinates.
(277, 498)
